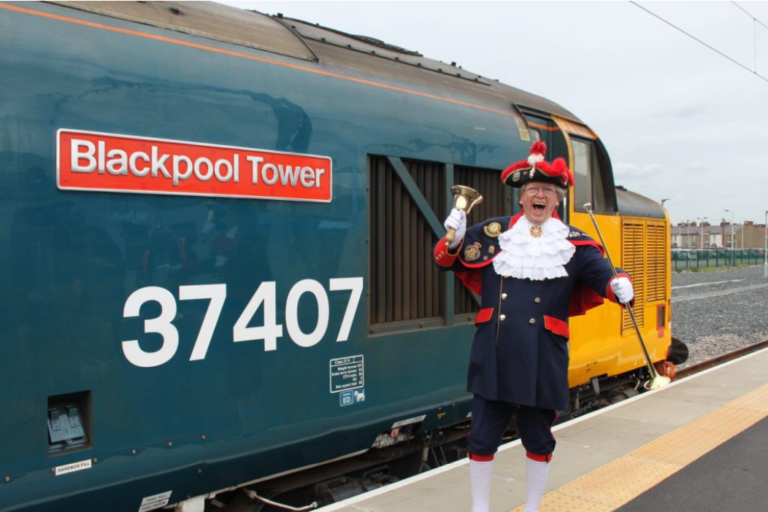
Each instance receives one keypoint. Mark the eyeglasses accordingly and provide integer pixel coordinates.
(532, 191)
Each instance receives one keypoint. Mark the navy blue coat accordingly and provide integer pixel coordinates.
(520, 350)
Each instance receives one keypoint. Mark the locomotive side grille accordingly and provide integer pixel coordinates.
(496, 202)
(656, 270)
(404, 283)
(428, 294)
(633, 261)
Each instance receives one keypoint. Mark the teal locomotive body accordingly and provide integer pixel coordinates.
(163, 342)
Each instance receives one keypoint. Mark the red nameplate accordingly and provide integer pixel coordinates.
(105, 162)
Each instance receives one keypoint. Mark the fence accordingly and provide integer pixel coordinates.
(683, 259)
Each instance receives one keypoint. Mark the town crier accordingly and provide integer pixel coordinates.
(532, 272)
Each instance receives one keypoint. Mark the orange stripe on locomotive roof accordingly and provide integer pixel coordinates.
(544, 127)
(246, 56)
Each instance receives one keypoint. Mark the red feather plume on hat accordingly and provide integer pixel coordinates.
(558, 168)
(539, 148)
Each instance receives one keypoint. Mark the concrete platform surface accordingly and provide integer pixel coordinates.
(612, 458)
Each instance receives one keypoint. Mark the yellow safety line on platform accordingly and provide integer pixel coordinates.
(615, 484)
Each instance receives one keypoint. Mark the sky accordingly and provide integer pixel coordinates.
(680, 121)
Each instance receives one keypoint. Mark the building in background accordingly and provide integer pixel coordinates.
(690, 235)
(750, 236)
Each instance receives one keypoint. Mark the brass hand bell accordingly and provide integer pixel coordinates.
(464, 198)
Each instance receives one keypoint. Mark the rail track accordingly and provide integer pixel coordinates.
(718, 360)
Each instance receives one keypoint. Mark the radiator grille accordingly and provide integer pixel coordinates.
(633, 261)
(405, 285)
(658, 258)
(496, 202)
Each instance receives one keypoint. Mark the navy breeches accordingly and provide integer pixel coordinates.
(490, 420)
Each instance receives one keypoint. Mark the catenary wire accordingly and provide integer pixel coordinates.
(756, 22)
(755, 73)
(750, 15)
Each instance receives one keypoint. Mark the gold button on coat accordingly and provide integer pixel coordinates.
(503, 295)
(532, 321)
(503, 317)
(537, 300)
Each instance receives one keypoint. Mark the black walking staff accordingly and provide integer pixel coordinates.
(657, 380)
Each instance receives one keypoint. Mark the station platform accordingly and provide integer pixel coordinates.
(695, 445)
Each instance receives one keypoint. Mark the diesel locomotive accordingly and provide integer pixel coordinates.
(216, 249)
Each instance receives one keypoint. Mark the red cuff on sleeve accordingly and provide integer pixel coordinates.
(442, 257)
(609, 290)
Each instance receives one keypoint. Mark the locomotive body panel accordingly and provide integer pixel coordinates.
(76, 257)
(145, 309)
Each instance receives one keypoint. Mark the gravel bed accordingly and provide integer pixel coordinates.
(720, 311)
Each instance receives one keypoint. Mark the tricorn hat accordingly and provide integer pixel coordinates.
(536, 169)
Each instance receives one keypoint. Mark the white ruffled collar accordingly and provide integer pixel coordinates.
(536, 258)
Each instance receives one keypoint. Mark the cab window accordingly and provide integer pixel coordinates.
(590, 185)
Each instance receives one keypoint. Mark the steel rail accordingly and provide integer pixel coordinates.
(718, 360)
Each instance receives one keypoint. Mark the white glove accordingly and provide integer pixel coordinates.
(622, 289)
(456, 220)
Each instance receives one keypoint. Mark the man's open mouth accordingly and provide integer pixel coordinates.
(539, 206)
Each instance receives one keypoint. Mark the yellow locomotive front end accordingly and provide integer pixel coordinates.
(635, 231)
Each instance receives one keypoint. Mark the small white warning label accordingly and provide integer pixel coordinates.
(156, 501)
(71, 468)
(347, 373)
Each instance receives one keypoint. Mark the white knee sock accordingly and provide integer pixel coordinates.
(535, 482)
(480, 474)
